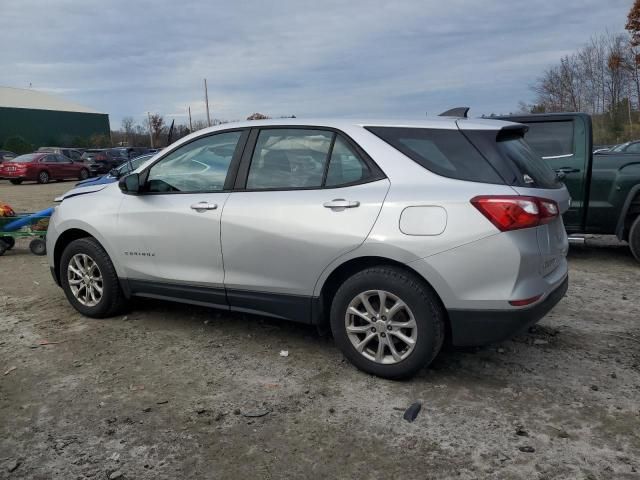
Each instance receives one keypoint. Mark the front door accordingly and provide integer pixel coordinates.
(306, 198)
(169, 235)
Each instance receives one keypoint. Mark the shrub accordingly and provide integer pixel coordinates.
(18, 145)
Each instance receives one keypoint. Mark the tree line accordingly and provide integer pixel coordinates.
(603, 79)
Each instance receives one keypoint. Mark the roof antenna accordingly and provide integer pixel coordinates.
(460, 112)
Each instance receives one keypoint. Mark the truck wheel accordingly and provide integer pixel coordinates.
(387, 322)
(634, 238)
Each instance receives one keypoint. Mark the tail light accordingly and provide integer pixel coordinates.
(513, 212)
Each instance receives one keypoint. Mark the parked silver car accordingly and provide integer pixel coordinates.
(397, 235)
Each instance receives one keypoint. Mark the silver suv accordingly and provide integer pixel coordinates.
(397, 235)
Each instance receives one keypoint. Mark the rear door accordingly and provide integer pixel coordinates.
(541, 182)
(66, 167)
(564, 141)
(304, 196)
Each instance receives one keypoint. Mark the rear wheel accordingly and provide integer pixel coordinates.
(43, 177)
(89, 279)
(84, 174)
(16, 182)
(634, 238)
(387, 322)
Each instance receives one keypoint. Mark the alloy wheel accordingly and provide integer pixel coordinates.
(85, 280)
(381, 327)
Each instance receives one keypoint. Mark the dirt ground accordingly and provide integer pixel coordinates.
(170, 391)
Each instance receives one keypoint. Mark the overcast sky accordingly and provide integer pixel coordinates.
(341, 58)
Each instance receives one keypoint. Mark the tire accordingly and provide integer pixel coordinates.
(17, 181)
(10, 242)
(112, 300)
(634, 238)
(3, 247)
(38, 246)
(84, 174)
(43, 177)
(422, 305)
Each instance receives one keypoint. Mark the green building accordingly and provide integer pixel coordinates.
(45, 120)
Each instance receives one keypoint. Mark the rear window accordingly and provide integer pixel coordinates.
(535, 171)
(30, 157)
(551, 139)
(444, 152)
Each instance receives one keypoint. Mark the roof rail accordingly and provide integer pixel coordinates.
(460, 112)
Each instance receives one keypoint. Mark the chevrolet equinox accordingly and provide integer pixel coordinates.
(394, 234)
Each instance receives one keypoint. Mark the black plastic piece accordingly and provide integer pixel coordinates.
(412, 412)
(481, 327)
(458, 112)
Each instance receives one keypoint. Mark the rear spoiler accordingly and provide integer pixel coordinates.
(511, 132)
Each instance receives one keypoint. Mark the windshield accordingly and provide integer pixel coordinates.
(620, 148)
(131, 165)
(30, 157)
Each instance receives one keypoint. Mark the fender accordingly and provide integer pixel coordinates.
(623, 213)
(80, 225)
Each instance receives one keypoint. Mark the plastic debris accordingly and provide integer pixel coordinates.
(284, 353)
(411, 413)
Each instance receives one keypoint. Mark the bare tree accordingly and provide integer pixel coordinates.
(157, 127)
(127, 128)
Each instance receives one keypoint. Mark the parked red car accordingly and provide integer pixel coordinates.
(42, 167)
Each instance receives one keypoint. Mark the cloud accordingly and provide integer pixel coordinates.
(331, 58)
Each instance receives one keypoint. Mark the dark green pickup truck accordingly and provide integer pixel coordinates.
(605, 187)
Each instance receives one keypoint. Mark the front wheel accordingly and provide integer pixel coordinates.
(387, 322)
(43, 177)
(634, 238)
(89, 279)
(84, 174)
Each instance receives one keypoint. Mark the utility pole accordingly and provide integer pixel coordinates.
(206, 99)
(150, 134)
(190, 124)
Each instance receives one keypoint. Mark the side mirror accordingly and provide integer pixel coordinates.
(130, 184)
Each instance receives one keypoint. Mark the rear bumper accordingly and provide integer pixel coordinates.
(480, 327)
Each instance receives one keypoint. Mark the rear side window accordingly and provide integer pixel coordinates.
(441, 151)
(551, 139)
(345, 166)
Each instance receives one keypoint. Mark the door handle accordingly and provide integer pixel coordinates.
(341, 203)
(562, 172)
(202, 206)
(566, 170)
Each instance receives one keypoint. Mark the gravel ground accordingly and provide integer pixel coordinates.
(170, 391)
